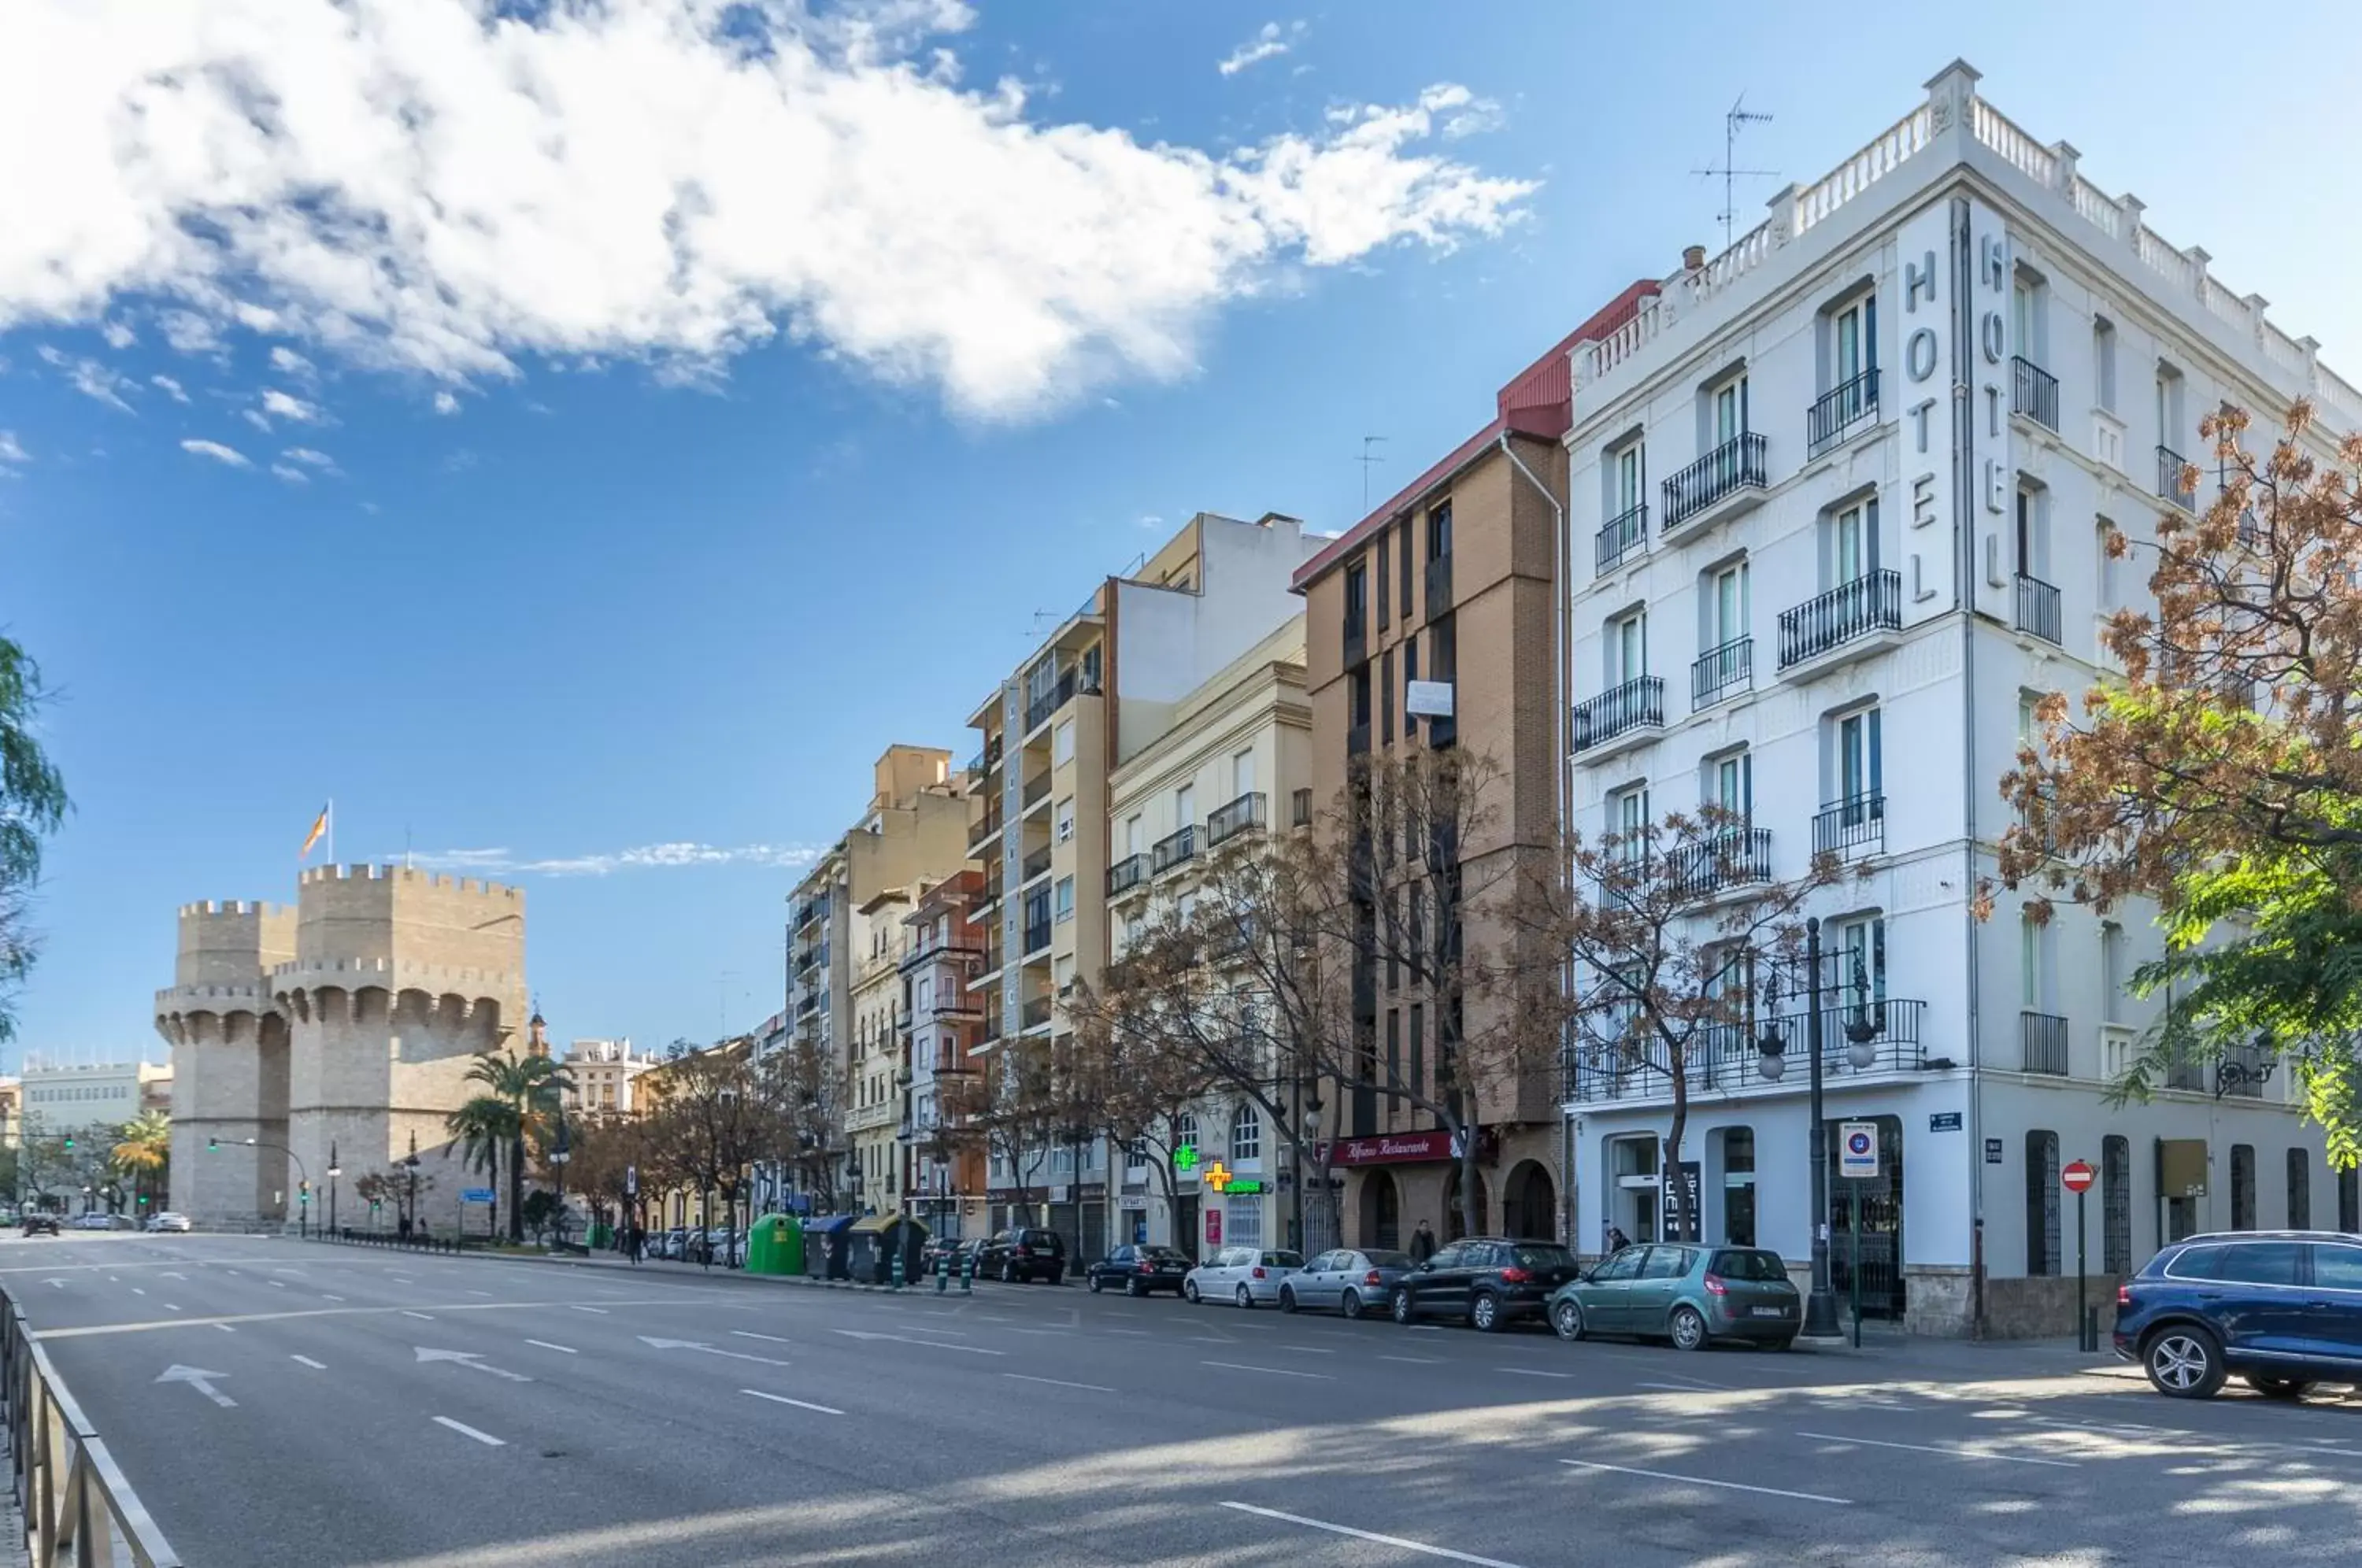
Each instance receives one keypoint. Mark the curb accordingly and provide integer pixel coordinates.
(924, 1288)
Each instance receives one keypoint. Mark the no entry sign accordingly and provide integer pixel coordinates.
(2077, 1176)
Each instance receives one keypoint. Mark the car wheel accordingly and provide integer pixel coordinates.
(2278, 1387)
(1786, 1344)
(1402, 1306)
(1687, 1327)
(1130, 1288)
(1246, 1298)
(2184, 1361)
(1096, 1285)
(1484, 1312)
(1008, 1273)
(1189, 1292)
(1286, 1299)
(1567, 1318)
(1351, 1304)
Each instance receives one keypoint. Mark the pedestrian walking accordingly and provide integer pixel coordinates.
(639, 1240)
(403, 1230)
(1422, 1243)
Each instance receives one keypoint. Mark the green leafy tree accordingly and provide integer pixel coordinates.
(483, 1129)
(32, 804)
(530, 1088)
(143, 1150)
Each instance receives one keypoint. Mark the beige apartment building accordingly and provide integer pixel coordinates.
(943, 1150)
(603, 1073)
(1106, 683)
(914, 832)
(1431, 624)
(1237, 761)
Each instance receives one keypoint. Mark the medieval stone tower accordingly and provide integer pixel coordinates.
(348, 1020)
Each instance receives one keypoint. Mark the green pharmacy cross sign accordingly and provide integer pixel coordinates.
(1186, 1158)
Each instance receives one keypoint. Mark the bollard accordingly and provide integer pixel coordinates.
(967, 1273)
(897, 1268)
(942, 1273)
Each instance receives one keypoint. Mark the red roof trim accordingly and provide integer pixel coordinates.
(1536, 402)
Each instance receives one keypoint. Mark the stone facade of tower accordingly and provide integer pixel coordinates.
(345, 1022)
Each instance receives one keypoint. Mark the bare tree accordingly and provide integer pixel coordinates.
(715, 1121)
(807, 1088)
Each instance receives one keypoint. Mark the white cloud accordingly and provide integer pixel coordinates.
(218, 452)
(88, 377)
(255, 418)
(118, 335)
(412, 186)
(11, 449)
(293, 476)
(446, 403)
(281, 405)
(647, 857)
(1463, 113)
(287, 362)
(310, 459)
(170, 388)
(1270, 43)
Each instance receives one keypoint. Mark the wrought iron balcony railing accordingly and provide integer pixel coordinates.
(1627, 534)
(2034, 391)
(1737, 464)
(1851, 406)
(1870, 604)
(1639, 701)
(1722, 671)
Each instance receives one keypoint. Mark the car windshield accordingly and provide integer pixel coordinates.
(1389, 1260)
(1282, 1260)
(1529, 1256)
(1162, 1255)
(1039, 1238)
(1760, 1268)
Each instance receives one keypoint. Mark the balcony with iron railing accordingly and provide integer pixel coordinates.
(1037, 940)
(2169, 464)
(1719, 863)
(1855, 825)
(1857, 1041)
(1620, 716)
(1061, 691)
(1233, 818)
(1727, 480)
(2037, 609)
(1126, 874)
(1035, 1015)
(1173, 849)
(1627, 534)
(2042, 1044)
(1037, 790)
(1722, 671)
(1849, 406)
(2034, 392)
(1851, 620)
(984, 829)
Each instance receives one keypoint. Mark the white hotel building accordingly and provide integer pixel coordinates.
(1836, 503)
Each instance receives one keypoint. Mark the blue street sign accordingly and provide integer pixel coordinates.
(477, 1194)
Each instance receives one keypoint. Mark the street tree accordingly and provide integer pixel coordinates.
(1669, 925)
(715, 1121)
(143, 1150)
(807, 1088)
(482, 1131)
(2217, 776)
(32, 805)
(531, 1086)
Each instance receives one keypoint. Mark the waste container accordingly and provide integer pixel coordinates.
(825, 1247)
(776, 1245)
(872, 1244)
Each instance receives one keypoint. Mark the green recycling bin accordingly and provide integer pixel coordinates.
(776, 1245)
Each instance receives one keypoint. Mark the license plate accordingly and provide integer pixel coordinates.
(1770, 1311)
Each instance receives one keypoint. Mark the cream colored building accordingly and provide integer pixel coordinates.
(67, 1097)
(1236, 762)
(603, 1073)
(876, 1056)
(1103, 686)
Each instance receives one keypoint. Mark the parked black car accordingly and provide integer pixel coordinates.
(2281, 1308)
(40, 1224)
(1140, 1270)
(939, 1248)
(1028, 1251)
(1488, 1281)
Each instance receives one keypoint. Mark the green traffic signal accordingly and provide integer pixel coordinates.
(68, 1139)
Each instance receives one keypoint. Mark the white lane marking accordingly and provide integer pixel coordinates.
(307, 1361)
(403, 1279)
(408, 1313)
(224, 1328)
(275, 1283)
(2207, 1442)
(198, 1378)
(566, 1350)
(55, 1284)
(1532, 1372)
(799, 1404)
(480, 1293)
(1671, 1387)
(655, 1343)
(1210, 1340)
(137, 1291)
(168, 1274)
(464, 1430)
(325, 1295)
(1305, 1350)
(1701, 1481)
(1143, 1333)
(1395, 1541)
(905, 1339)
(1696, 1382)
(473, 1360)
(1060, 1382)
(953, 1333)
(751, 1334)
(1946, 1453)
(1271, 1371)
(113, 1279)
(601, 1310)
(171, 1306)
(1057, 1333)
(1414, 1360)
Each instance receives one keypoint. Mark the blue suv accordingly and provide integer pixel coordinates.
(2281, 1308)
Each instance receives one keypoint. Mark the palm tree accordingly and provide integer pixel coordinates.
(528, 1086)
(143, 1147)
(482, 1127)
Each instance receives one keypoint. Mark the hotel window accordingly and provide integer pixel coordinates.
(1628, 647)
(1727, 411)
(1859, 769)
(1852, 541)
(1627, 819)
(2103, 363)
(1730, 784)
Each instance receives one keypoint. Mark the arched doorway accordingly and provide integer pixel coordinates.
(1529, 1203)
(1381, 1211)
(1454, 1229)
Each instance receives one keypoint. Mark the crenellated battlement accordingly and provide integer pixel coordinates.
(410, 875)
(249, 909)
(389, 968)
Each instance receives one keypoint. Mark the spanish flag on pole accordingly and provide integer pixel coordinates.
(322, 825)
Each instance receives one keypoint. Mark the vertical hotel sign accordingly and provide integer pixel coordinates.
(1956, 413)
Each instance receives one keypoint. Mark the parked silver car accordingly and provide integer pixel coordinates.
(1348, 1280)
(1247, 1275)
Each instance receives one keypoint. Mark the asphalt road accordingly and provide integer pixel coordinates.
(321, 1407)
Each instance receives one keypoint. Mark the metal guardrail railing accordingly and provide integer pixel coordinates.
(79, 1509)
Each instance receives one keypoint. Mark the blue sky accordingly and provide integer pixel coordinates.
(570, 562)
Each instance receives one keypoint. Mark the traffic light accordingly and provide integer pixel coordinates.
(143, 1200)
(68, 1139)
(212, 1145)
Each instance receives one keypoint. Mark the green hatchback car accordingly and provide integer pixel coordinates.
(1689, 1294)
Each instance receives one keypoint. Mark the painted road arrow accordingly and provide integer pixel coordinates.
(472, 1359)
(59, 1283)
(654, 1344)
(198, 1378)
(907, 1340)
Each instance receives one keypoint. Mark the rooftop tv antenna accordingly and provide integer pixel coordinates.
(1365, 459)
(1740, 117)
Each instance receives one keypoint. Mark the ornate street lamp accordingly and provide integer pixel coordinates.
(335, 1170)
